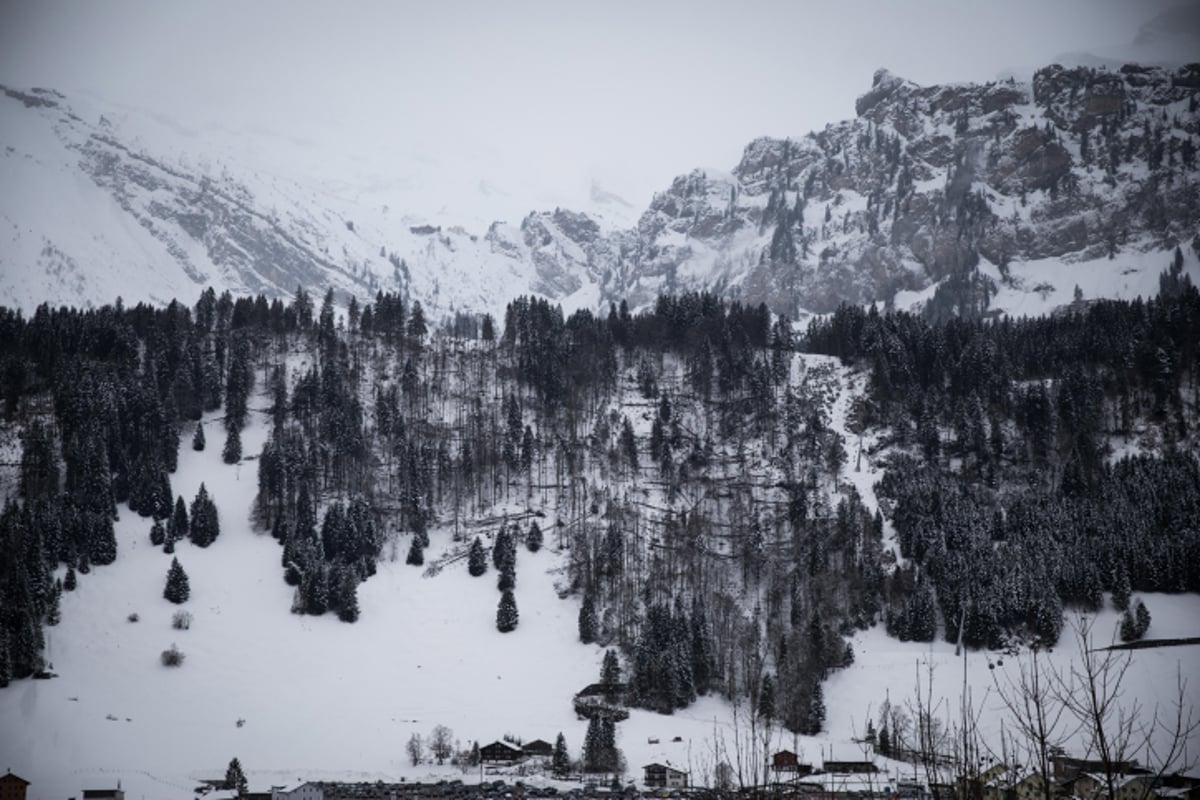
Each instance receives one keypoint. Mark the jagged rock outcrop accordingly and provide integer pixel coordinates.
(929, 179)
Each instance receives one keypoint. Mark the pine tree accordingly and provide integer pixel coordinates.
(506, 613)
(561, 760)
(203, 527)
(232, 453)
(177, 589)
(816, 711)
(1121, 589)
(587, 620)
(476, 559)
(178, 525)
(416, 554)
(1142, 617)
(158, 534)
(102, 542)
(1129, 631)
(533, 539)
(69, 580)
(198, 437)
(348, 598)
(766, 698)
(235, 778)
(503, 548)
(507, 580)
(54, 611)
(610, 668)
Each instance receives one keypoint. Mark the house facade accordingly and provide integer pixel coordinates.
(305, 791)
(661, 776)
(500, 753)
(12, 787)
(1093, 786)
(104, 794)
(538, 748)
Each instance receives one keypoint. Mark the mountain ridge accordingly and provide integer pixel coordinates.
(1079, 164)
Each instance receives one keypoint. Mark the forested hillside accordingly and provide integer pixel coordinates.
(693, 460)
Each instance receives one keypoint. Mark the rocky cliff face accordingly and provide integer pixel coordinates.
(927, 181)
(925, 184)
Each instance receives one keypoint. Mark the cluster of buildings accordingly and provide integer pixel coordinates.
(1069, 779)
(14, 787)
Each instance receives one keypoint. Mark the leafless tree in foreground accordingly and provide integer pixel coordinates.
(1040, 721)
(1115, 729)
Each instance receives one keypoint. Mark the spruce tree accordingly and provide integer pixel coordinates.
(766, 698)
(506, 613)
(1142, 617)
(504, 550)
(587, 620)
(816, 711)
(177, 589)
(476, 559)
(54, 611)
(348, 598)
(1121, 589)
(158, 534)
(508, 579)
(198, 437)
(561, 760)
(416, 555)
(69, 580)
(102, 543)
(235, 778)
(178, 526)
(203, 527)
(232, 453)
(610, 668)
(533, 539)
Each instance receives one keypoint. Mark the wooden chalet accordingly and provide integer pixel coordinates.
(500, 753)
(661, 776)
(104, 794)
(785, 761)
(851, 767)
(538, 748)
(12, 787)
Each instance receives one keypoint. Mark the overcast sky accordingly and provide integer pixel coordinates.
(631, 93)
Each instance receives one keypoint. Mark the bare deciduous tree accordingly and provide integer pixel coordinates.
(415, 749)
(441, 743)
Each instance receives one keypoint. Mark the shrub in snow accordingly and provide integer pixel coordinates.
(182, 620)
(133, 617)
(172, 657)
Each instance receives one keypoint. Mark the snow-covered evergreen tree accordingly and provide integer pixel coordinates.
(177, 589)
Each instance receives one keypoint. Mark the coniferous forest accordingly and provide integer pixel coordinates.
(687, 459)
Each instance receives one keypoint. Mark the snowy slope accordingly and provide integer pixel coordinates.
(325, 700)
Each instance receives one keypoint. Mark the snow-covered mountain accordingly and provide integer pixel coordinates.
(1080, 166)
